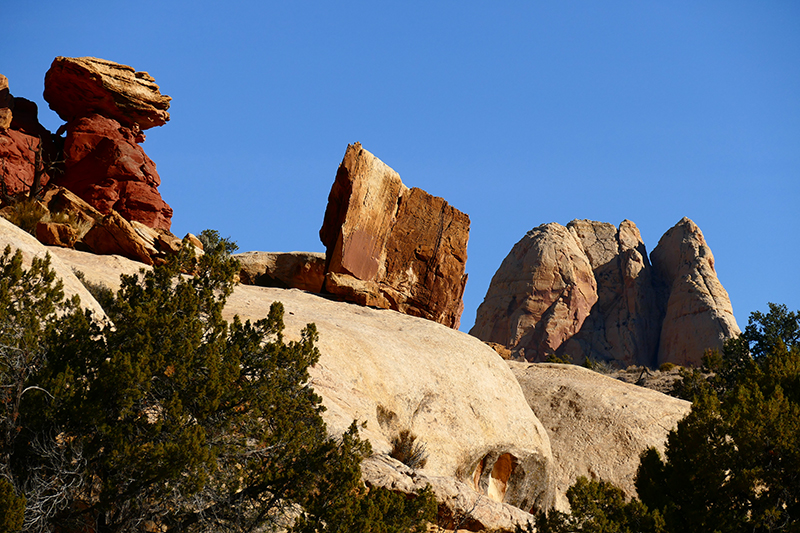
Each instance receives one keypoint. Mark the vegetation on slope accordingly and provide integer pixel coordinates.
(733, 464)
(170, 419)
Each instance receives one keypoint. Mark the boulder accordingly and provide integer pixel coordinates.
(77, 87)
(107, 168)
(394, 372)
(540, 296)
(113, 235)
(293, 270)
(390, 246)
(598, 426)
(17, 239)
(699, 315)
(624, 324)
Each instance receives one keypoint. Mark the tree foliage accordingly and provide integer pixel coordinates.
(169, 418)
(734, 463)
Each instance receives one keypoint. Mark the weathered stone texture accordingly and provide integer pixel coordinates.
(77, 87)
(390, 246)
(624, 323)
(540, 295)
(293, 270)
(598, 426)
(588, 291)
(106, 167)
(699, 314)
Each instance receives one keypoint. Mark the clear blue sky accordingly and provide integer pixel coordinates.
(517, 113)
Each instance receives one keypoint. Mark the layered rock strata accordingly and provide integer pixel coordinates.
(77, 87)
(292, 270)
(588, 291)
(393, 247)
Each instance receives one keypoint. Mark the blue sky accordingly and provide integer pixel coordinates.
(517, 113)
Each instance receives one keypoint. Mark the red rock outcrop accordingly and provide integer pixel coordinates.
(699, 314)
(540, 296)
(106, 106)
(393, 247)
(77, 87)
(106, 167)
(26, 147)
(589, 292)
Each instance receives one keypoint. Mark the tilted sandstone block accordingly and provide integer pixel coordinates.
(76, 87)
(393, 247)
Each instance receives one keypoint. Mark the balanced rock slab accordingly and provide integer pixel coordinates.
(699, 315)
(76, 87)
(393, 247)
(598, 426)
(540, 296)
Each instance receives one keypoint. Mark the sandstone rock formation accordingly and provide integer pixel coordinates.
(398, 372)
(293, 270)
(598, 426)
(461, 508)
(6, 103)
(698, 311)
(17, 239)
(624, 324)
(106, 167)
(540, 295)
(393, 247)
(588, 291)
(77, 87)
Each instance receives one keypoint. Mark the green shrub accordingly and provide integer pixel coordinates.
(667, 367)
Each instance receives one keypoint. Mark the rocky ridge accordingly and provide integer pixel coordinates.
(588, 291)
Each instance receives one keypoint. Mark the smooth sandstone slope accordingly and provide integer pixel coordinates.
(598, 426)
(396, 372)
(17, 239)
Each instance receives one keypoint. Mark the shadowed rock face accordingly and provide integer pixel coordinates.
(76, 87)
(699, 314)
(589, 291)
(624, 324)
(24, 143)
(393, 247)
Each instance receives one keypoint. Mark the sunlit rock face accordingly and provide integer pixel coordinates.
(588, 291)
(699, 315)
(393, 247)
